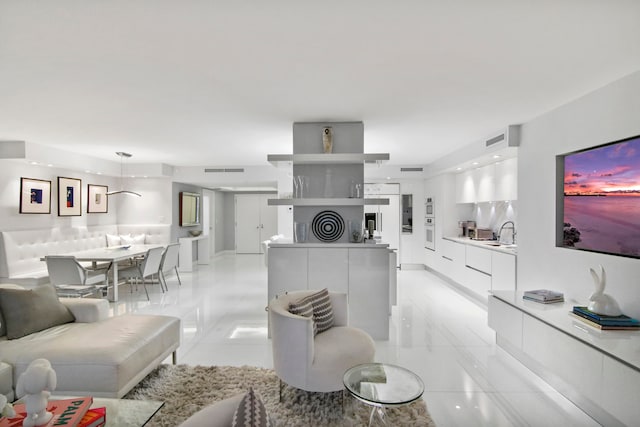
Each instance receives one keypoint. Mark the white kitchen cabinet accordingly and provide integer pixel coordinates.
(506, 179)
(493, 182)
(329, 265)
(361, 270)
(506, 321)
(465, 187)
(503, 271)
(477, 282)
(484, 182)
(287, 271)
(478, 259)
(570, 359)
(597, 370)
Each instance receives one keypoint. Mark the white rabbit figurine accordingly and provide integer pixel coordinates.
(36, 383)
(599, 302)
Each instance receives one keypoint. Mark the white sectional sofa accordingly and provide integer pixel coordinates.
(96, 355)
(21, 250)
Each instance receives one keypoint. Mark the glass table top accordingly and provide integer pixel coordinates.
(381, 384)
(122, 412)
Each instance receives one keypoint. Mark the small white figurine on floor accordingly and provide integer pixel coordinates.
(6, 410)
(36, 384)
(599, 302)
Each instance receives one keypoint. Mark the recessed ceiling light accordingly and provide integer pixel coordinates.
(99, 173)
(388, 177)
(145, 176)
(87, 171)
(133, 176)
(458, 169)
(34, 163)
(475, 163)
(50, 165)
(496, 156)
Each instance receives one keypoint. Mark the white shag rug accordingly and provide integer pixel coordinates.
(187, 389)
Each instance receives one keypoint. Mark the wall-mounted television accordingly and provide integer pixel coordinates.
(189, 209)
(598, 199)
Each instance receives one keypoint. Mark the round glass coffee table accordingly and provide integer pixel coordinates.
(381, 385)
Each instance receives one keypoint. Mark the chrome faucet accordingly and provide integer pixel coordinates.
(513, 232)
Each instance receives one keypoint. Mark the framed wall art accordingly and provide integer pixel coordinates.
(97, 201)
(69, 196)
(35, 196)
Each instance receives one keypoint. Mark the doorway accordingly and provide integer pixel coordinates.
(256, 221)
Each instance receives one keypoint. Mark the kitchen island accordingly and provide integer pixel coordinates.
(363, 271)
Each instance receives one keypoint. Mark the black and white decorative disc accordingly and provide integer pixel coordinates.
(327, 226)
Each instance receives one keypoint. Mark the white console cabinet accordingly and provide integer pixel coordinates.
(185, 256)
(597, 370)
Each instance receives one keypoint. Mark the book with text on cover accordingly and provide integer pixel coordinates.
(94, 417)
(66, 412)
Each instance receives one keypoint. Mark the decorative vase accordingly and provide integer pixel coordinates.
(355, 231)
(327, 139)
(300, 232)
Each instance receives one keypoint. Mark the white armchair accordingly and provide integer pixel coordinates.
(315, 363)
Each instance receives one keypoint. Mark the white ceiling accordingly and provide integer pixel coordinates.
(206, 83)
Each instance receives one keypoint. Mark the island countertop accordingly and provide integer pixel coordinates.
(330, 245)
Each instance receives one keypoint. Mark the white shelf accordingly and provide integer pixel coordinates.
(327, 202)
(329, 158)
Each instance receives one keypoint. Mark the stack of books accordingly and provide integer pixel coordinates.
(600, 321)
(543, 296)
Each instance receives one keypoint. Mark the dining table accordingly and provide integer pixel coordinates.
(112, 255)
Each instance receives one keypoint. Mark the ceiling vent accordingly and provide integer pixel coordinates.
(510, 137)
(410, 169)
(223, 170)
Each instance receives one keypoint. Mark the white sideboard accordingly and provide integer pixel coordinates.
(185, 258)
(598, 370)
(362, 271)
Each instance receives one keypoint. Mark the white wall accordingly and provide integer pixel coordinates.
(154, 207)
(608, 114)
(10, 173)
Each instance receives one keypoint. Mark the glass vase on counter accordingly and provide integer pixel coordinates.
(356, 232)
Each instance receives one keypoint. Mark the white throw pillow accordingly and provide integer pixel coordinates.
(113, 240)
(128, 239)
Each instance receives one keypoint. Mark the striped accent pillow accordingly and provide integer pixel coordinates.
(322, 309)
(304, 308)
(251, 412)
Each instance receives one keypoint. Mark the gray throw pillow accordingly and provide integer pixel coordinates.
(26, 311)
(322, 309)
(3, 329)
(251, 412)
(304, 308)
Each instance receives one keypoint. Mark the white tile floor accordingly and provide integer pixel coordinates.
(435, 331)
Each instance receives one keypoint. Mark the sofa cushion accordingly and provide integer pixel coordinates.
(3, 329)
(26, 311)
(128, 239)
(322, 309)
(303, 307)
(251, 412)
(113, 240)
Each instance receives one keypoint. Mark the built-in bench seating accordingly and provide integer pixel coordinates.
(21, 251)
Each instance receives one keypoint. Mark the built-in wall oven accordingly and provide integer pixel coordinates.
(430, 233)
(429, 207)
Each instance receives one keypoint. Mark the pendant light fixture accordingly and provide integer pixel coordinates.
(123, 156)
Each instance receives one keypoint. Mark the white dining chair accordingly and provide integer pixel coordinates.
(66, 274)
(149, 267)
(170, 262)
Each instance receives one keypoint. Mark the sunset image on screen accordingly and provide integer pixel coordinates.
(602, 199)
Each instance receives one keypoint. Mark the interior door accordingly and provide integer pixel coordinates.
(268, 219)
(248, 223)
